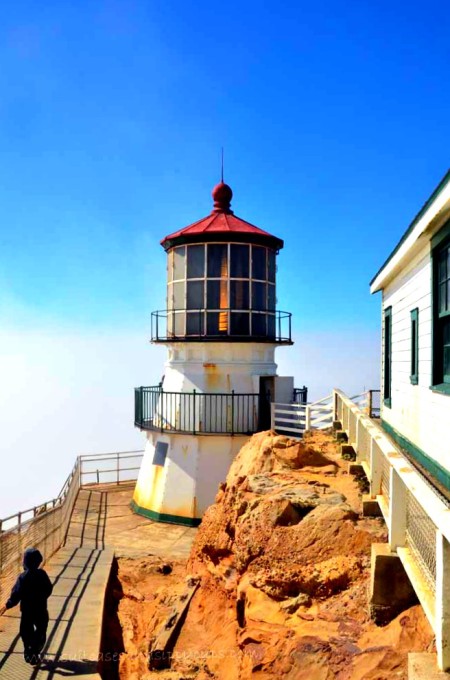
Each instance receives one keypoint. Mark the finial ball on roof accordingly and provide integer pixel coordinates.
(222, 196)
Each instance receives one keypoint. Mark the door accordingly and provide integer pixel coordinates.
(266, 389)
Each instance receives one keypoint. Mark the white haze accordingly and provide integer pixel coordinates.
(63, 393)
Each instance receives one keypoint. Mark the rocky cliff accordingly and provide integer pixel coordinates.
(284, 561)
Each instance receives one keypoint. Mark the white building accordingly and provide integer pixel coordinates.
(221, 328)
(415, 385)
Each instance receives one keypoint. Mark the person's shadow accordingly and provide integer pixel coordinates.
(68, 667)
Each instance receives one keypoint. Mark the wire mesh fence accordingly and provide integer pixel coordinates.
(421, 539)
(385, 478)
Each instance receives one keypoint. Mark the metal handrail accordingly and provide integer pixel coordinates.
(300, 395)
(278, 326)
(196, 412)
(45, 526)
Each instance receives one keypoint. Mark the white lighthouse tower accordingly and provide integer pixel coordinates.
(221, 328)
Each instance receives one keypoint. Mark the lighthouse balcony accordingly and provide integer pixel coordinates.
(215, 325)
(197, 412)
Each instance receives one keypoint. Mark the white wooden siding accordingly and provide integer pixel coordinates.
(418, 413)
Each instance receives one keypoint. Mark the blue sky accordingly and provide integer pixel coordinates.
(334, 120)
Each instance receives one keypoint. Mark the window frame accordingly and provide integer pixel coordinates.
(414, 375)
(439, 243)
(387, 357)
(182, 283)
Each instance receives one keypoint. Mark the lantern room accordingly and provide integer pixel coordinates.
(221, 281)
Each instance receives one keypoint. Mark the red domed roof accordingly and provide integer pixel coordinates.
(221, 225)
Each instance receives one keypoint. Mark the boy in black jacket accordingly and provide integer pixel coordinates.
(32, 589)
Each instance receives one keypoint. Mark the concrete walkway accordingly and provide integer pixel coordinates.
(101, 525)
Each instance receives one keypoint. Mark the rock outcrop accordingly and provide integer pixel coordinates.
(284, 561)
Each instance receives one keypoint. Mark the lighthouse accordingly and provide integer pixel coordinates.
(221, 328)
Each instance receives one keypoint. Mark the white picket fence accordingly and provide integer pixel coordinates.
(417, 517)
(295, 419)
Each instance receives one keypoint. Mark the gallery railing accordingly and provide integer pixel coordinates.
(45, 526)
(240, 325)
(196, 412)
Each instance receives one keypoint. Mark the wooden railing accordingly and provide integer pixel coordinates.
(417, 516)
(294, 419)
(45, 526)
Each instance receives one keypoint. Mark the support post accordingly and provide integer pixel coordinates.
(376, 466)
(272, 416)
(442, 628)
(356, 442)
(335, 403)
(307, 417)
(232, 412)
(397, 512)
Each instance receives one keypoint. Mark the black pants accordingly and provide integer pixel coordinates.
(33, 631)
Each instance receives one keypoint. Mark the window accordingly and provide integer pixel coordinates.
(178, 263)
(239, 256)
(195, 262)
(414, 347)
(194, 298)
(259, 263)
(159, 457)
(387, 356)
(217, 289)
(217, 261)
(441, 309)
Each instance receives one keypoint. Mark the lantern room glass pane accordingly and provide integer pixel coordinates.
(271, 267)
(271, 325)
(195, 323)
(239, 261)
(195, 262)
(271, 297)
(259, 296)
(259, 325)
(195, 295)
(170, 266)
(178, 295)
(215, 323)
(179, 320)
(213, 294)
(259, 263)
(239, 295)
(217, 260)
(179, 262)
(169, 296)
(240, 323)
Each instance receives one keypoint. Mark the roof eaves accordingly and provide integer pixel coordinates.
(442, 184)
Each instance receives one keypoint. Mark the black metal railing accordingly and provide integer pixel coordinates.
(195, 412)
(243, 325)
(300, 395)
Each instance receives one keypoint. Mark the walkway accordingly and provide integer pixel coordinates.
(101, 525)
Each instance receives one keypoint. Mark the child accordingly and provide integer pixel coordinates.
(32, 589)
